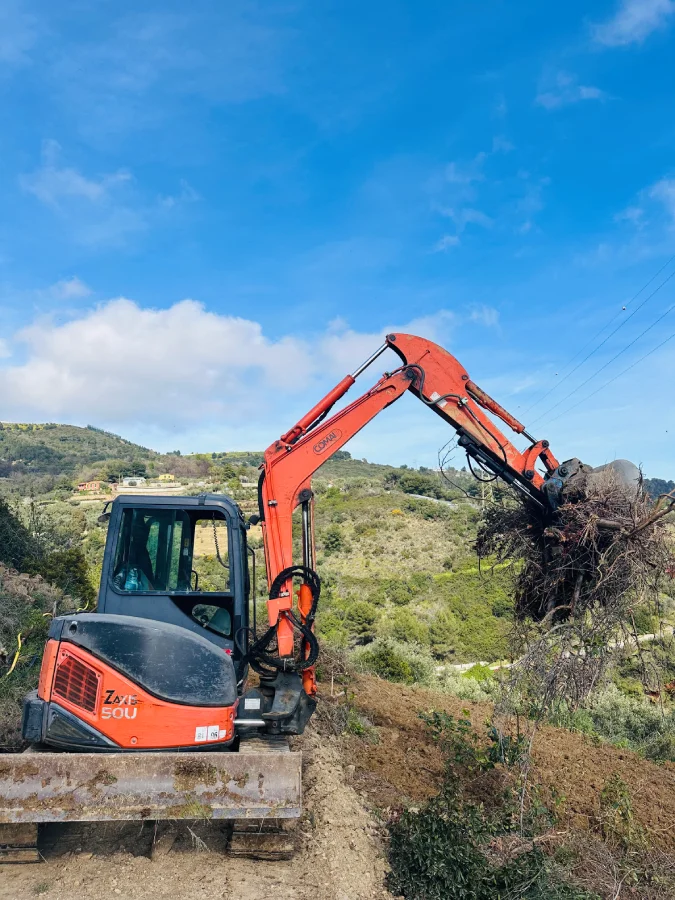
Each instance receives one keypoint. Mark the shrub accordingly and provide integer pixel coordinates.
(26, 606)
(444, 633)
(394, 661)
(467, 688)
(406, 627)
(359, 619)
(479, 673)
(623, 720)
(439, 852)
(333, 539)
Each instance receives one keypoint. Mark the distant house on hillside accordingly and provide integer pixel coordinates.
(133, 480)
(167, 477)
(92, 486)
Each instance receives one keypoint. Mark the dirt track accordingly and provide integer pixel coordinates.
(339, 855)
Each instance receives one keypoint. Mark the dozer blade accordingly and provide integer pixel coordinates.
(95, 787)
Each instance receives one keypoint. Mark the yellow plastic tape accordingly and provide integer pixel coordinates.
(16, 656)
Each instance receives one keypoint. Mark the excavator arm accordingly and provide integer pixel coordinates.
(441, 383)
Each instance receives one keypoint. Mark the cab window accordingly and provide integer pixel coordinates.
(172, 550)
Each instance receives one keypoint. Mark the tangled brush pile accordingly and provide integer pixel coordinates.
(606, 546)
(581, 574)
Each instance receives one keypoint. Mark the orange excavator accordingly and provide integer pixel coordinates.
(145, 708)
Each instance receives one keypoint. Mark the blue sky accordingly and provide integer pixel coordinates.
(209, 212)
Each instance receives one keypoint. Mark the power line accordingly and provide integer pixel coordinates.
(598, 333)
(630, 344)
(607, 383)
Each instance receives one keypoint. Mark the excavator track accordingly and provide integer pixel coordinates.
(269, 838)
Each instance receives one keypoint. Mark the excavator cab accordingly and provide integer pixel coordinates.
(181, 561)
(162, 662)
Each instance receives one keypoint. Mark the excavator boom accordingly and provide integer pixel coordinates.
(436, 378)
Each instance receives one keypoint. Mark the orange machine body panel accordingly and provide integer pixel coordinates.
(121, 710)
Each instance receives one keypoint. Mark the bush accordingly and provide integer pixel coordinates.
(444, 633)
(333, 539)
(360, 617)
(624, 720)
(26, 606)
(439, 852)
(479, 673)
(394, 661)
(467, 688)
(405, 626)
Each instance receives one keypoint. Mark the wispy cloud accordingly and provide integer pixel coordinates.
(531, 202)
(446, 243)
(18, 33)
(52, 183)
(500, 144)
(564, 90)
(467, 215)
(97, 210)
(652, 205)
(71, 288)
(632, 214)
(148, 62)
(466, 173)
(664, 193)
(634, 21)
(485, 315)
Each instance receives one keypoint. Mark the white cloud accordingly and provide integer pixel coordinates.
(18, 33)
(125, 363)
(446, 242)
(70, 289)
(467, 215)
(485, 315)
(634, 21)
(5, 351)
(177, 368)
(52, 184)
(99, 210)
(633, 214)
(664, 192)
(563, 90)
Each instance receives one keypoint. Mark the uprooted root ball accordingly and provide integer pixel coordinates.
(606, 547)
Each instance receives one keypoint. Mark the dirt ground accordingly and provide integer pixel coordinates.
(339, 855)
(405, 765)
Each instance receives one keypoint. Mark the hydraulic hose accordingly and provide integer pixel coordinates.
(261, 654)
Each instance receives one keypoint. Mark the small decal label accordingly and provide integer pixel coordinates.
(326, 442)
(214, 732)
(252, 703)
(222, 734)
(201, 733)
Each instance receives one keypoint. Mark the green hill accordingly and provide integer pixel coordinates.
(51, 449)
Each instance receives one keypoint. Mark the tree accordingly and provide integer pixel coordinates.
(15, 539)
(333, 539)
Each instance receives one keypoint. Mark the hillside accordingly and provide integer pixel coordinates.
(60, 450)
